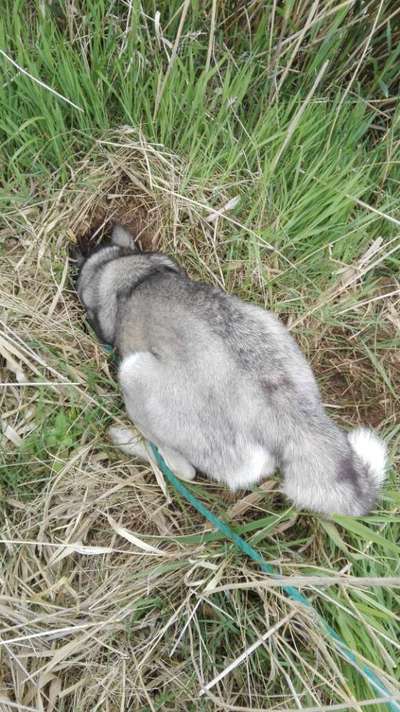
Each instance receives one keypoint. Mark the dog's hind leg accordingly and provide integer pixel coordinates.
(178, 464)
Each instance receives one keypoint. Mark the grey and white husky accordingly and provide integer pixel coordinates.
(219, 385)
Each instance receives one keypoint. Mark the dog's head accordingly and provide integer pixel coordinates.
(100, 280)
(107, 276)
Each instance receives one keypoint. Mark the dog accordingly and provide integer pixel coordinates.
(219, 385)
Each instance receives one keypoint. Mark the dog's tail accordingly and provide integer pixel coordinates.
(371, 451)
(330, 471)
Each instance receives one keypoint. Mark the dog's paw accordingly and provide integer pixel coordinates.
(126, 441)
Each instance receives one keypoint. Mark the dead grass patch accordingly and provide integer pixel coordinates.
(106, 577)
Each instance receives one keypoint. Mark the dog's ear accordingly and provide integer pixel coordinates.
(122, 238)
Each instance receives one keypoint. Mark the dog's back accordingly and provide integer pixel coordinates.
(222, 383)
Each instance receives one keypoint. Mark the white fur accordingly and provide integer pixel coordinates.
(178, 464)
(122, 238)
(371, 450)
(133, 365)
(258, 463)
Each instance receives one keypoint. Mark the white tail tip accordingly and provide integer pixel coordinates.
(372, 452)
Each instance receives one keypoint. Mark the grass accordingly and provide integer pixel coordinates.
(258, 143)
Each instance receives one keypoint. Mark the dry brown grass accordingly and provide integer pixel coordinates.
(104, 605)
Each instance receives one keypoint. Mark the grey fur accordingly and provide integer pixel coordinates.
(220, 385)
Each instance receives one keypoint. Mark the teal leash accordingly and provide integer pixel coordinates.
(293, 593)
